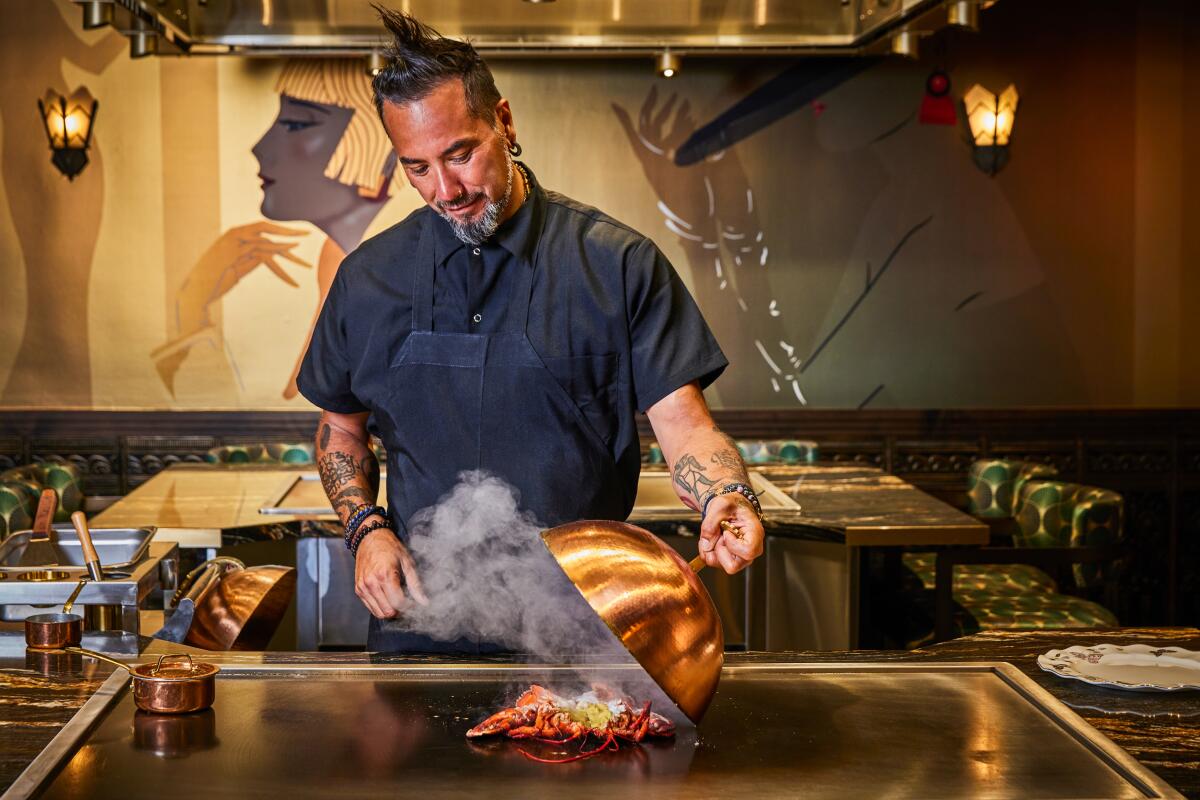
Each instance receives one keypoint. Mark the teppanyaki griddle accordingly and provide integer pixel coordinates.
(774, 730)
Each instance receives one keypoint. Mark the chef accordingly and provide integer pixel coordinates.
(504, 328)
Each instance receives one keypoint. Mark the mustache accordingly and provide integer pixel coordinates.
(461, 201)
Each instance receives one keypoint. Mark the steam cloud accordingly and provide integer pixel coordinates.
(488, 577)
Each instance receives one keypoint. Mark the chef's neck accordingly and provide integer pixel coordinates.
(520, 190)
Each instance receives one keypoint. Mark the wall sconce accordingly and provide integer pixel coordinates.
(68, 124)
(991, 121)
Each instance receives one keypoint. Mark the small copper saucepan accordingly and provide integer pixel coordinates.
(171, 685)
(55, 631)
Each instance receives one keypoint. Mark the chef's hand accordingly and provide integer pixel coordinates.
(381, 563)
(719, 547)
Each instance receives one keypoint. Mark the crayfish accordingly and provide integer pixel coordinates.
(545, 717)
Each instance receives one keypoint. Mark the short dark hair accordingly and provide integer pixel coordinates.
(419, 59)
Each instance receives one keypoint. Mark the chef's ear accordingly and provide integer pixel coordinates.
(504, 119)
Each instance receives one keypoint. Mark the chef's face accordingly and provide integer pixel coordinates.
(458, 163)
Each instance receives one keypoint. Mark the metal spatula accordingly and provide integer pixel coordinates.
(41, 550)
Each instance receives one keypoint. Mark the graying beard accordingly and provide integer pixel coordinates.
(474, 231)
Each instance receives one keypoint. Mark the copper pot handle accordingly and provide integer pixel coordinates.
(697, 563)
(169, 657)
(67, 606)
(217, 565)
(99, 657)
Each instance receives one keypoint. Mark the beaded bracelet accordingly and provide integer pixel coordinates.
(362, 532)
(357, 518)
(740, 488)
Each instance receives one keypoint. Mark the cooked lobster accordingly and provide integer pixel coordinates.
(543, 716)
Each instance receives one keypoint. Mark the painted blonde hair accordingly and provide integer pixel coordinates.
(363, 156)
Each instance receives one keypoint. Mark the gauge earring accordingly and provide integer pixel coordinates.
(515, 149)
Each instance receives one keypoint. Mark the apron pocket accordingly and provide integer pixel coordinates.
(590, 382)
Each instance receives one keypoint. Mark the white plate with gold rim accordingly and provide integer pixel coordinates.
(1135, 667)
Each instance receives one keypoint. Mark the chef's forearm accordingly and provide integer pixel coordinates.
(708, 461)
(348, 467)
(702, 459)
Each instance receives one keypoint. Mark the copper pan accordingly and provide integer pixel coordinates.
(652, 600)
(54, 631)
(242, 611)
(171, 685)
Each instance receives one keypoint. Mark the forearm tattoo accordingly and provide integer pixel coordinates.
(689, 475)
(337, 469)
(729, 458)
(348, 483)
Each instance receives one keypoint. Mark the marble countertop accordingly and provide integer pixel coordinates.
(39, 693)
(197, 504)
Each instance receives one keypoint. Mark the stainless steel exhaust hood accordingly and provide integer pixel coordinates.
(524, 28)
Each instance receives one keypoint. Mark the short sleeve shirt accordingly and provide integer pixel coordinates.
(609, 316)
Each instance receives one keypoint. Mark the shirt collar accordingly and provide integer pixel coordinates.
(518, 234)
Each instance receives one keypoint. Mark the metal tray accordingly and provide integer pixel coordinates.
(118, 548)
(774, 730)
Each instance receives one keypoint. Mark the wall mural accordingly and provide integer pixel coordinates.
(326, 161)
(55, 222)
(845, 253)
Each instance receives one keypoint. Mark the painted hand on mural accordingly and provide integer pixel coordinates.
(234, 255)
(710, 207)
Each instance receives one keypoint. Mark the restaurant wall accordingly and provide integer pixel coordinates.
(846, 254)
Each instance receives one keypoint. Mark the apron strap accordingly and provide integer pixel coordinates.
(422, 296)
(518, 303)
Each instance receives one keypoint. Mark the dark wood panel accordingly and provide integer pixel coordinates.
(1151, 456)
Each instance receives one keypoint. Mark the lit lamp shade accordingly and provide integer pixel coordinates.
(990, 120)
(68, 123)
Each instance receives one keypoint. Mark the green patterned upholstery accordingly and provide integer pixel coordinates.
(17, 507)
(770, 451)
(61, 476)
(1048, 514)
(1056, 514)
(268, 453)
(997, 579)
(985, 612)
(994, 485)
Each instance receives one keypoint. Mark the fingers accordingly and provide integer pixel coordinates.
(272, 265)
(393, 598)
(412, 580)
(648, 106)
(732, 549)
(626, 122)
(664, 113)
(271, 227)
(290, 257)
(728, 560)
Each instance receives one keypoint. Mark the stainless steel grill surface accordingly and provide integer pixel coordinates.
(887, 730)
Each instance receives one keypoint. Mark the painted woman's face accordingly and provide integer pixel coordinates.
(292, 155)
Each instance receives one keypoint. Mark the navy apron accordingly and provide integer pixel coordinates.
(466, 401)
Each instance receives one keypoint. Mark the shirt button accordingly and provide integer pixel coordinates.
(476, 252)
(478, 318)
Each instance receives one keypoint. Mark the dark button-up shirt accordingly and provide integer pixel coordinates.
(608, 315)
(472, 283)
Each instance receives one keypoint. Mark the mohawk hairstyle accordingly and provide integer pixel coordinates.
(419, 59)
